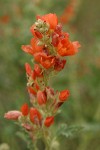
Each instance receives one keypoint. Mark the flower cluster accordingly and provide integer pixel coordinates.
(48, 47)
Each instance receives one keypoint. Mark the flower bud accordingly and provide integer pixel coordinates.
(36, 85)
(25, 109)
(55, 39)
(33, 76)
(12, 115)
(35, 116)
(49, 92)
(64, 95)
(58, 29)
(49, 121)
(41, 98)
(35, 32)
(27, 126)
(59, 64)
(37, 70)
(28, 69)
(31, 90)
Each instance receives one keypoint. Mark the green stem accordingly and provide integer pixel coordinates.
(47, 144)
(45, 79)
(46, 140)
(35, 146)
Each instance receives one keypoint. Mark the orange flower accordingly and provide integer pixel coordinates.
(64, 95)
(27, 49)
(76, 45)
(33, 48)
(25, 110)
(59, 36)
(66, 48)
(37, 72)
(46, 61)
(41, 97)
(35, 116)
(49, 121)
(51, 19)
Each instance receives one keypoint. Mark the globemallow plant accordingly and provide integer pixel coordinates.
(48, 47)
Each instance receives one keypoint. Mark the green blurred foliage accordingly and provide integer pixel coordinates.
(81, 75)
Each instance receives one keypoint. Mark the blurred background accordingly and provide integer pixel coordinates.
(81, 19)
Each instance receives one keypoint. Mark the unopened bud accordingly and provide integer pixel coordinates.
(41, 98)
(64, 95)
(49, 121)
(12, 115)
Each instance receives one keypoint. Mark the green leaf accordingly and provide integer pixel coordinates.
(22, 136)
(69, 131)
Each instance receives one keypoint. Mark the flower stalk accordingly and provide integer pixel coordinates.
(49, 47)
